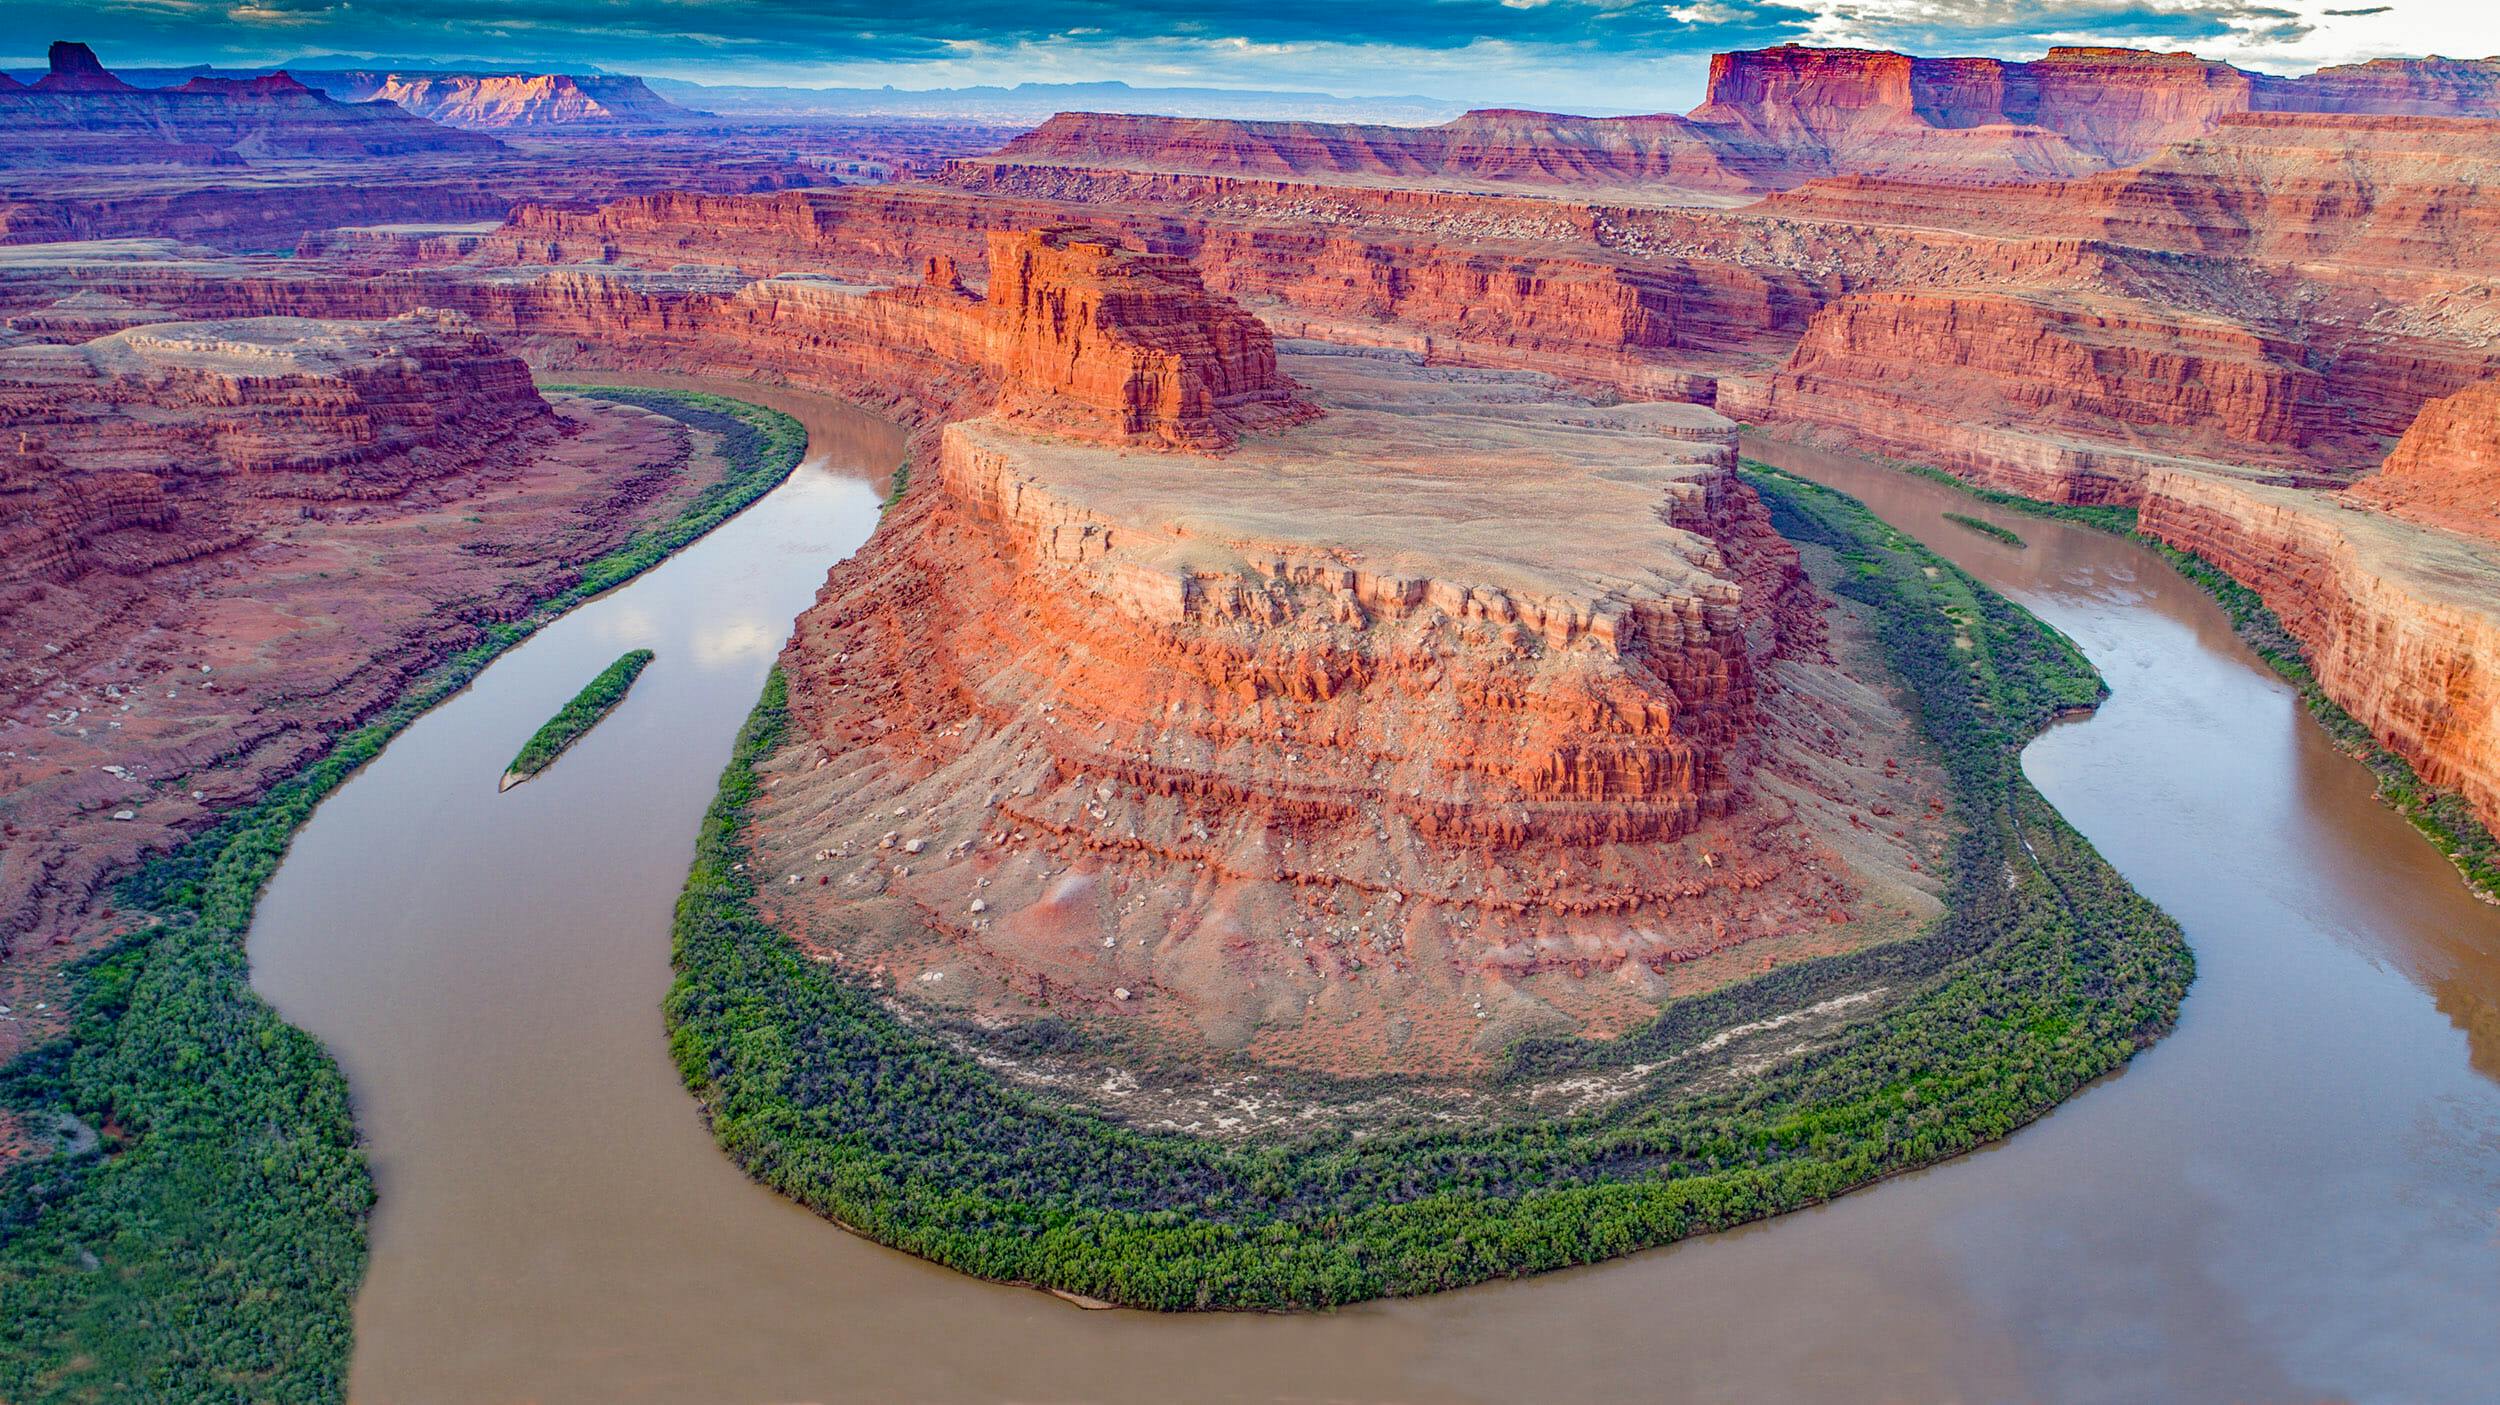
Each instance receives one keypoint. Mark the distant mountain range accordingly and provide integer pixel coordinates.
(1028, 103)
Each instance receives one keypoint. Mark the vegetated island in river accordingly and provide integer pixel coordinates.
(225, 1205)
(573, 721)
(1986, 528)
(2045, 971)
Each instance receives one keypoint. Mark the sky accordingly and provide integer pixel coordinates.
(1641, 55)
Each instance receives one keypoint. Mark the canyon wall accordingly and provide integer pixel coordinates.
(2016, 390)
(286, 407)
(2446, 470)
(1078, 333)
(223, 543)
(2401, 624)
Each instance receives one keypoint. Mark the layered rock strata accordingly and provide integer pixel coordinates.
(2401, 623)
(1075, 330)
(278, 407)
(222, 543)
(1373, 744)
(2446, 470)
(2017, 389)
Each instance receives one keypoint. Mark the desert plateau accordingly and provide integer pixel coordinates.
(766, 715)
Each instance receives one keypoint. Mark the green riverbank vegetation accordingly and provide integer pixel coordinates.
(573, 721)
(1986, 528)
(2046, 972)
(208, 1247)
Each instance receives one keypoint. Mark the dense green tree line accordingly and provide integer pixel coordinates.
(2048, 972)
(208, 1248)
(579, 714)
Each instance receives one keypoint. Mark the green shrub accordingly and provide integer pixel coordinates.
(573, 721)
(1986, 528)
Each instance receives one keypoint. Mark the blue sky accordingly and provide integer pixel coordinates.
(1631, 54)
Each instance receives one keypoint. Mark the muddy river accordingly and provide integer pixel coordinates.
(2295, 1197)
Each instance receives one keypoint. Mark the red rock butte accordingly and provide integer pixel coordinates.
(1464, 682)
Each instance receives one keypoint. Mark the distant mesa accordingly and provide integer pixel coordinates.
(503, 101)
(1775, 118)
(81, 116)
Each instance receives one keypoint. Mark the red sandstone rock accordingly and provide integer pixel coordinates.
(1456, 697)
(285, 407)
(2401, 623)
(220, 545)
(1122, 345)
(1909, 371)
(2446, 469)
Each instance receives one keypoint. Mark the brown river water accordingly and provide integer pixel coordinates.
(2295, 1197)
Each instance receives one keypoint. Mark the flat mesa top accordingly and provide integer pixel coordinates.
(1487, 479)
(247, 346)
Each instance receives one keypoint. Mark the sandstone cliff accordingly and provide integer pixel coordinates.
(2401, 623)
(221, 543)
(1087, 335)
(2041, 394)
(2446, 469)
(1374, 743)
(284, 407)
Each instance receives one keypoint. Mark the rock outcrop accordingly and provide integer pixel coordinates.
(1108, 342)
(2096, 105)
(222, 543)
(512, 101)
(1376, 742)
(286, 407)
(2401, 623)
(1996, 384)
(2446, 469)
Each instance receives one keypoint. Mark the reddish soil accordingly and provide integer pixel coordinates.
(226, 542)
